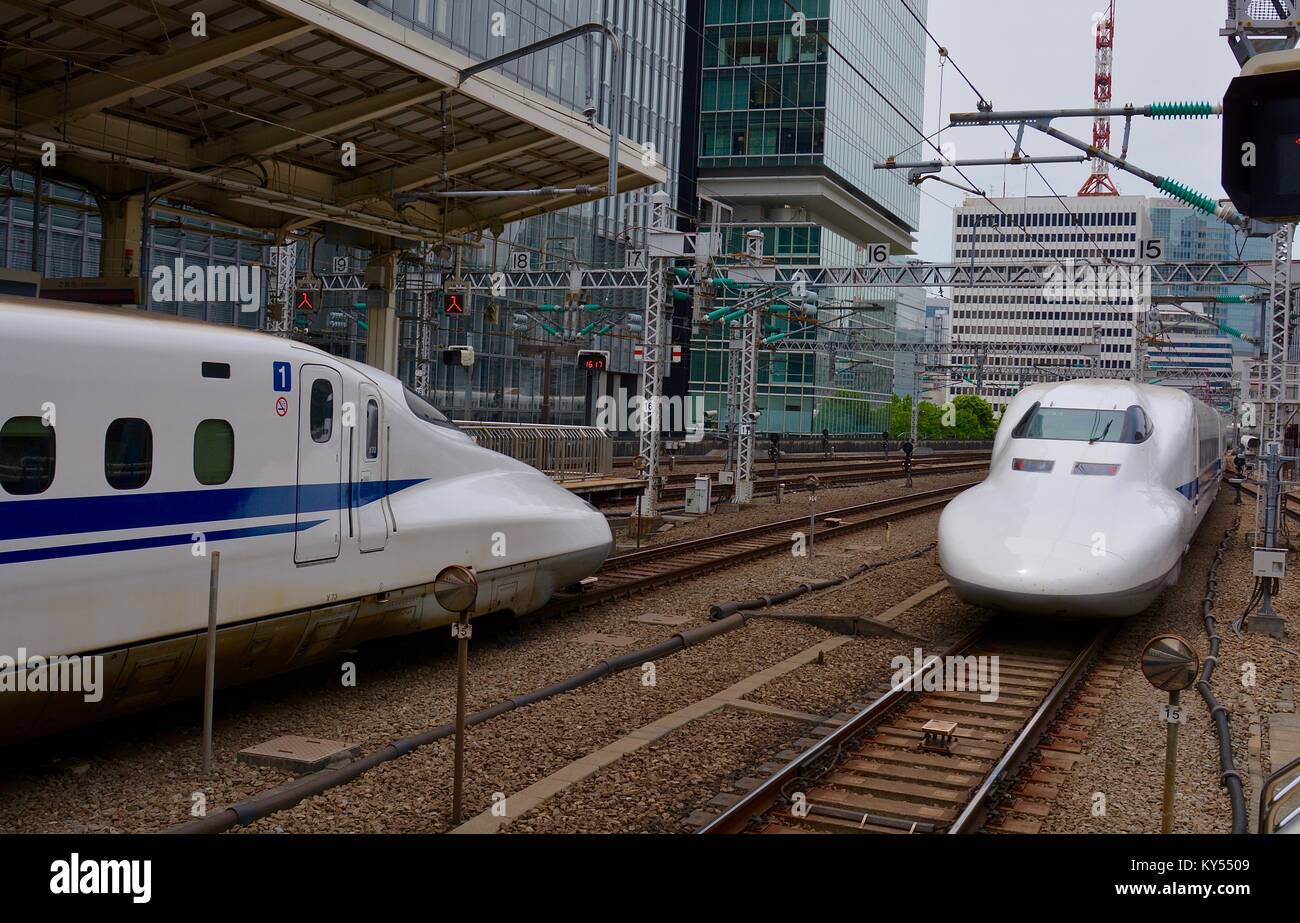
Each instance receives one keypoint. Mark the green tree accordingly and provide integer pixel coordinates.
(971, 417)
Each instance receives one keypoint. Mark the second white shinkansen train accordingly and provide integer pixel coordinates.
(1094, 493)
(132, 446)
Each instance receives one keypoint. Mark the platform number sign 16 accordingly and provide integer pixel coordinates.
(877, 254)
(281, 376)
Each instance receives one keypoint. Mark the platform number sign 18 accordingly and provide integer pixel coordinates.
(282, 376)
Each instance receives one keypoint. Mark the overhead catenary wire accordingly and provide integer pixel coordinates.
(984, 103)
(921, 133)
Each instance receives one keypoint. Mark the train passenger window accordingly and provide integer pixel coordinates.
(372, 429)
(322, 410)
(128, 454)
(26, 456)
(214, 452)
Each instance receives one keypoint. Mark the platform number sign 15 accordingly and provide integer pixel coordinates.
(281, 376)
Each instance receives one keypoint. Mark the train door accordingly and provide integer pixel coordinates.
(371, 464)
(320, 465)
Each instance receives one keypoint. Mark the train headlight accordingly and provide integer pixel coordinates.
(1032, 464)
(1095, 468)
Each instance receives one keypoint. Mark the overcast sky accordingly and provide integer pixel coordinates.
(1026, 54)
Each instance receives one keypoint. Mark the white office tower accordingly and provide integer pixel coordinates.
(1098, 309)
(1187, 344)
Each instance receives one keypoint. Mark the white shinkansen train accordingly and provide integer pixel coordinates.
(1094, 493)
(132, 446)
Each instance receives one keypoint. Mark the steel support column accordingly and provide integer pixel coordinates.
(653, 345)
(751, 336)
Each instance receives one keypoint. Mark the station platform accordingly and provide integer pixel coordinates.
(598, 489)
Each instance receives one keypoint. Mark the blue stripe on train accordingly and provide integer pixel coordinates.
(21, 519)
(157, 541)
(1192, 489)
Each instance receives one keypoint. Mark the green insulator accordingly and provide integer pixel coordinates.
(1231, 299)
(1184, 110)
(1190, 196)
(681, 295)
(681, 272)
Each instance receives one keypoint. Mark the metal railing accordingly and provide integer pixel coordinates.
(1279, 801)
(566, 453)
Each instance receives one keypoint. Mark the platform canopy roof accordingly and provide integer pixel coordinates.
(250, 122)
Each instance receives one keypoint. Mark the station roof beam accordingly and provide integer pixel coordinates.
(248, 123)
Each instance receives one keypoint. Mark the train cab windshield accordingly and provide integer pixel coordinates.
(426, 411)
(1077, 424)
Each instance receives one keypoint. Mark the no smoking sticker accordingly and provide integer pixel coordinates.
(281, 406)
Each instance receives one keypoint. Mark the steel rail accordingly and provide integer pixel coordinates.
(760, 799)
(694, 544)
(986, 795)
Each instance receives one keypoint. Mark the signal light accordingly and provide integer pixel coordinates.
(454, 301)
(1261, 143)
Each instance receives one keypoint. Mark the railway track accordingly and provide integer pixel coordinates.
(790, 468)
(636, 571)
(807, 458)
(940, 761)
(794, 481)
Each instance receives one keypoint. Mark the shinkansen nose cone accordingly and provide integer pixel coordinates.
(1080, 549)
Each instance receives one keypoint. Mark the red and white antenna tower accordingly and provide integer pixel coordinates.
(1099, 181)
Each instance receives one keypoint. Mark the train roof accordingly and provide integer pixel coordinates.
(1088, 392)
(77, 323)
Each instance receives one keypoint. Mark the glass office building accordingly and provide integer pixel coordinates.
(1191, 235)
(788, 136)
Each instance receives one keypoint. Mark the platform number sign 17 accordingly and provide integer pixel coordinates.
(282, 376)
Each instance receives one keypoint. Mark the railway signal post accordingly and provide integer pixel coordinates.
(456, 590)
(1170, 664)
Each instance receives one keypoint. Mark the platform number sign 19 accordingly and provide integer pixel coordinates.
(281, 376)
